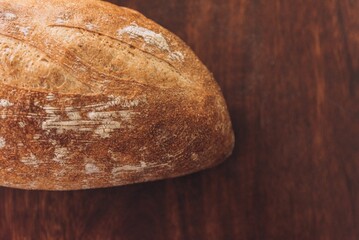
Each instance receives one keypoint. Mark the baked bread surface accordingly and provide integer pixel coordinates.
(94, 95)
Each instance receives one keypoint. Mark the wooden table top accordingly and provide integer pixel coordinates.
(289, 71)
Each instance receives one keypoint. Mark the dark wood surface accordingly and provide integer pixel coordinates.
(289, 71)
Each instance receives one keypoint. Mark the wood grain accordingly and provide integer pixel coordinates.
(290, 73)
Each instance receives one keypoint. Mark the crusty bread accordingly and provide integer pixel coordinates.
(95, 95)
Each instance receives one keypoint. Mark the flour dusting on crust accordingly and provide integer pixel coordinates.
(2, 142)
(60, 154)
(177, 56)
(91, 168)
(150, 37)
(92, 118)
(30, 160)
(5, 103)
(8, 16)
(90, 26)
(24, 30)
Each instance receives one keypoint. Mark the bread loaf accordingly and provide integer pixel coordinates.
(94, 95)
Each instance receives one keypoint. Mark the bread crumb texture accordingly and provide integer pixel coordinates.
(94, 95)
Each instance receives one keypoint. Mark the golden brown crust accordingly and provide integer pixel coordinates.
(94, 95)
